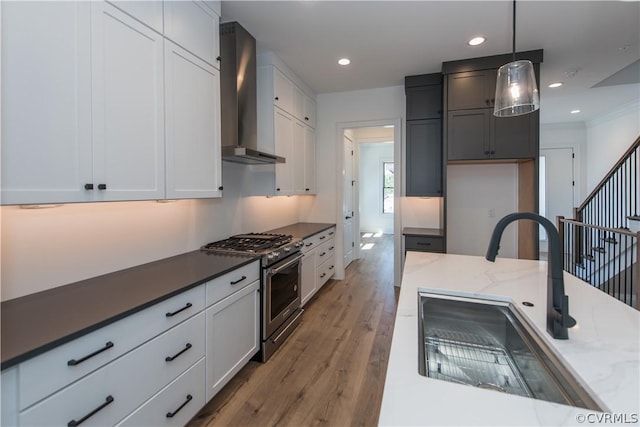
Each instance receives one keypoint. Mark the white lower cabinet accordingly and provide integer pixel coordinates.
(108, 395)
(175, 404)
(9, 397)
(318, 264)
(232, 336)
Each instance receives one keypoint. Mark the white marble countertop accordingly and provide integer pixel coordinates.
(603, 350)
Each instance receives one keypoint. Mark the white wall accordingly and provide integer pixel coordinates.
(46, 248)
(477, 197)
(372, 155)
(608, 137)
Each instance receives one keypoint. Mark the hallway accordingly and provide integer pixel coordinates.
(331, 370)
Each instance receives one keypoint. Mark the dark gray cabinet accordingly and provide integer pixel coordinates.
(424, 157)
(424, 163)
(479, 135)
(472, 89)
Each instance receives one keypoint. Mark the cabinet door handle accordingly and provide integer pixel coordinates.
(492, 152)
(331, 248)
(171, 358)
(323, 254)
(74, 362)
(486, 152)
(323, 237)
(306, 118)
(423, 243)
(235, 282)
(173, 313)
(322, 275)
(88, 186)
(308, 244)
(220, 188)
(277, 189)
(277, 99)
(102, 186)
(331, 268)
(306, 189)
(331, 233)
(74, 423)
(219, 59)
(173, 414)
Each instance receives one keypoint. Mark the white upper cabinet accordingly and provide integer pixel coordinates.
(310, 161)
(309, 111)
(146, 11)
(83, 101)
(282, 91)
(46, 102)
(284, 132)
(128, 107)
(193, 125)
(194, 26)
(298, 163)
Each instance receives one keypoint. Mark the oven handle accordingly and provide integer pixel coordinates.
(286, 329)
(272, 271)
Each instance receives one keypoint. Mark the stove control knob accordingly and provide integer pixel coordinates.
(287, 249)
(270, 256)
(276, 254)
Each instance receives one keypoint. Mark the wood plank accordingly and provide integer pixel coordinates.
(527, 196)
(331, 370)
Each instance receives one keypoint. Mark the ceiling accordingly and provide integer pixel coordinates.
(584, 43)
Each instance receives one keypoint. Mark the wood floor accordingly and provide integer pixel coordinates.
(331, 370)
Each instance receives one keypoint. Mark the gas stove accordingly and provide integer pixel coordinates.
(270, 247)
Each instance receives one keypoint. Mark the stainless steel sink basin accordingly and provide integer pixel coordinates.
(487, 344)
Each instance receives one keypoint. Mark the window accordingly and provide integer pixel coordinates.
(387, 187)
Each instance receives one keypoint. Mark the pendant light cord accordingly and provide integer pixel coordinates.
(514, 30)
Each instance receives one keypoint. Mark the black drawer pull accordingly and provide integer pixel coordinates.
(102, 186)
(170, 314)
(423, 243)
(170, 358)
(322, 275)
(74, 423)
(235, 282)
(173, 414)
(277, 99)
(331, 268)
(74, 362)
(308, 244)
(323, 254)
(331, 248)
(323, 237)
(88, 186)
(331, 233)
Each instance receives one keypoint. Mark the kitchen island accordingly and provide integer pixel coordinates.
(602, 351)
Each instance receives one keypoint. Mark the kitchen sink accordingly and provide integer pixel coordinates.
(488, 344)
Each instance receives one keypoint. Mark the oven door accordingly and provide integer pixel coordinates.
(281, 296)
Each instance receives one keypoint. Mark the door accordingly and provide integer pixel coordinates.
(556, 192)
(192, 90)
(46, 85)
(347, 201)
(127, 106)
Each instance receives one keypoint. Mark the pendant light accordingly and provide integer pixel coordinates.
(516, 88)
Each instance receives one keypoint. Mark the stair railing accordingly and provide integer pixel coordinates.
(615, 198)
(606, 258)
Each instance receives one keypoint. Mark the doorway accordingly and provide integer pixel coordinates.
(369, 189)
(557, 186)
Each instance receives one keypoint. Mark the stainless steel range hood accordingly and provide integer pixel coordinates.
(238, 94)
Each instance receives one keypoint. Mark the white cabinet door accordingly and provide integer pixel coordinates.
(283, 91)
(309, 161)
(298, 160)
(192, 89)
(46, 102)
(309, 111)
(232, 336)
(308, 279)
(284, 133)
(194, 26)
(298, 103)
(127, 107)
(149, 12)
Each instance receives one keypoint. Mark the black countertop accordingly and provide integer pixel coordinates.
(302, 230)
(36, 323)
(427, 232)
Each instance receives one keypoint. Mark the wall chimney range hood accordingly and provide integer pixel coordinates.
(238, 94)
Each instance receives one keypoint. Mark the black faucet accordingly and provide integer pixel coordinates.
(558, 319)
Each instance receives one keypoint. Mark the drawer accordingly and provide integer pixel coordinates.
(223, 286)
(182, 399)
(318, 239)
(324, 272)
(424, 243)
(43, 375)
(123, 385)
(325, 252)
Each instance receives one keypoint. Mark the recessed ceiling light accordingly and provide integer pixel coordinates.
(344, 61)
(556, 84)
(575, 111)
(476, 41)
